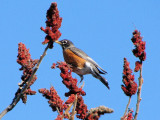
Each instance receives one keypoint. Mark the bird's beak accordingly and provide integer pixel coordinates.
(58, 42)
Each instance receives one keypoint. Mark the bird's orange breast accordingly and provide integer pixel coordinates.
(73, 59)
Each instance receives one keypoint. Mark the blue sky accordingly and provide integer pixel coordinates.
(103, 30)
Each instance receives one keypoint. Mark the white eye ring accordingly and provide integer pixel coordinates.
(64, 42)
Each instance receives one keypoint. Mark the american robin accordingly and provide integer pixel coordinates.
(80, 62)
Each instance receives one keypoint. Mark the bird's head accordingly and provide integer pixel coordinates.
(65, 43)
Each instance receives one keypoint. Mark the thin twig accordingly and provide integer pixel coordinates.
(82, 85)
(58, 111)
(74, 108)
(127, 107)
(139, 94)
(67, 111)
(18, 96)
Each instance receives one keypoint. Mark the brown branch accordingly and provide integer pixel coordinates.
(67, 111)
(74, 108)
(18, 96)
(126, 107)
(139, 94)
(58, 111)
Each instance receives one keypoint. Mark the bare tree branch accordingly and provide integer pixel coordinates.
(74, 108)
(126, 108)
(18, 96)
(139, 94)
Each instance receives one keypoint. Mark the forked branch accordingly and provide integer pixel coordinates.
(18, 96)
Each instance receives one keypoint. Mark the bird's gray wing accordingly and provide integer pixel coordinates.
(83, 55)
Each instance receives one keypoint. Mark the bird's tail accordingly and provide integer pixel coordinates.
(96, 73)
(102, 79)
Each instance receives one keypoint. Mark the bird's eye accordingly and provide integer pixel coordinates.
(65, 41)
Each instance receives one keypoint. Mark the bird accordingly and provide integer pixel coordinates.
(80, 62)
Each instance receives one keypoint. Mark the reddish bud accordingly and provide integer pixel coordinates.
(71, 99)
(27, 65)
(140, 46)
(54, 99)
(128, 116)
(81, 108)
(59, 118)
(138, 65)
(68, 80)
(130, 86)
(143, 56)
(53, 23)
(53, 66)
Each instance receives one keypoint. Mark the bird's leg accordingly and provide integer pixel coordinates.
(81, 76)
